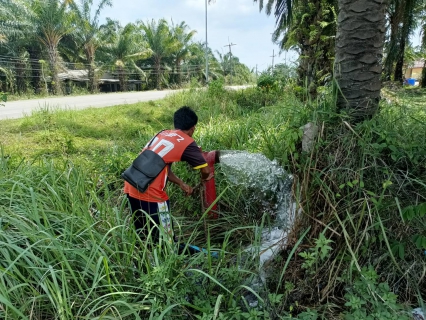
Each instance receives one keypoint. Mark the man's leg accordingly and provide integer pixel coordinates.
(155, 210)
(165, 220)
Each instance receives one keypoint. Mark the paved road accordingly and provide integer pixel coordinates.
(18, 109)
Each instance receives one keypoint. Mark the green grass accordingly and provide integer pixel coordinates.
(70, 251)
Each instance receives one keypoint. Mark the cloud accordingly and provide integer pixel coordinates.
(236, 21)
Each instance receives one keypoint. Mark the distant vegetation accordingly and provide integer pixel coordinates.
(43, 42)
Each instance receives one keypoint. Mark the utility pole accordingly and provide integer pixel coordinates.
(230, 56)
(273, 56)
(207, 54)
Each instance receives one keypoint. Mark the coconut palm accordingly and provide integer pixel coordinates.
(162, 43)
(17, 41)
(86, 33)
(402, 23)
(194, 65)
(359, 51)
(423, 50)
(183, 49)
(14, 20)
(308, 27)
(122, 47)
(51, 21)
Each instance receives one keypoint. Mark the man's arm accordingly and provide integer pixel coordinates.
(194, 157)
(173, 178)
(206, 175)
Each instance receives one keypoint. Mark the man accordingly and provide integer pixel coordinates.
(172, 145)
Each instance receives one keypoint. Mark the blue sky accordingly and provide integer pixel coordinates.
(234, 21)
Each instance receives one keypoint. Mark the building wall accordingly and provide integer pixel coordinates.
(415, 73)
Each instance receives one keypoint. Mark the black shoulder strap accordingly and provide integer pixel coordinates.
(154, 138)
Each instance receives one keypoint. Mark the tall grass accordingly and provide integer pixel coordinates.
(70, 251)
(355, 188)
(67, 239)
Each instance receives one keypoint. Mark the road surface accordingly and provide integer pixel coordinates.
(18, 109)
(21, 108)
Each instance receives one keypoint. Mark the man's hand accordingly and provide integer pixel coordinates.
(187, 189)
(211, 175)
(173, 178)
(206, 173)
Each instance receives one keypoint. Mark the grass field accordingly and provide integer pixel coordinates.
(69, 250)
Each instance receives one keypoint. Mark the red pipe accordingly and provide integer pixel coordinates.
(209, 187)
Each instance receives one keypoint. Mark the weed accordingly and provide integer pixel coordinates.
(70, 251)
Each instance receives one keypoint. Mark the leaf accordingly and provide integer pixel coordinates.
(408, 213)
(419, 241)
(386, 184)
(393, 148)
(399, 249)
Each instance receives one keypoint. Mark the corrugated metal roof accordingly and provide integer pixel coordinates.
(416, 64)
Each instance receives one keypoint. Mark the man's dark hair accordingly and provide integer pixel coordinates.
(184, 118)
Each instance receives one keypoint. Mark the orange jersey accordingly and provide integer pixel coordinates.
(170, 145)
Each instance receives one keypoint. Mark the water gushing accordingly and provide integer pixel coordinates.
(271, 186)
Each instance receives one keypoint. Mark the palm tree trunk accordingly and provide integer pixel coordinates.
(90, 57)
(21, 84)
(394, 21)
(423, 81)
(53, 61)
(122, 79)
(93, 86)
(359, 50)
(400, 62)
(315, 51)
(35, 70)
(158, 75)
(179, 77)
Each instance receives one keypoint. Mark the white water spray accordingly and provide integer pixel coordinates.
(271, 185)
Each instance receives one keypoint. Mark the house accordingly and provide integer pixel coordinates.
(414, 70)
(108, 82)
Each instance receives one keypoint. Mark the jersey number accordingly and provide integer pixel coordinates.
(168, 146)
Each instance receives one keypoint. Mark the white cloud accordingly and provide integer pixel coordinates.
(196, 5)
(238, 20)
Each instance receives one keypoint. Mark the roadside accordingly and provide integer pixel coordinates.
(20, 108)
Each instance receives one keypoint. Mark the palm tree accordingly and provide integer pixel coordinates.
(17, 41)
(183, 49)
(51, 22)
(194, 65)
(161, 42)
(233, 71)
(359, 50)
(423, 50)
(307, 26)
(226, 62)
(122, 47)
(402, 23)
(86, 33)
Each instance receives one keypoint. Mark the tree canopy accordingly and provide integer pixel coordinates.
(43, 42)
